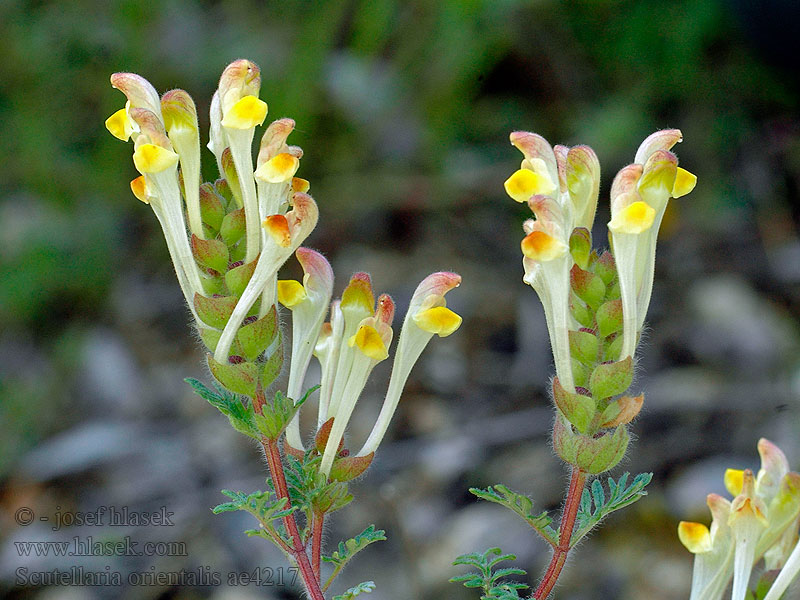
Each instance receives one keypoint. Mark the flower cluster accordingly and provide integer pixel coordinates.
(229, 238)
(761, 522)
(594, 303)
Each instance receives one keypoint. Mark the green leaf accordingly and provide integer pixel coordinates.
(276, 415)
(595, 506)
(348, 549)
(264, 507)
(240, 415)
(362, 588)
(522, 505)
(486, 577)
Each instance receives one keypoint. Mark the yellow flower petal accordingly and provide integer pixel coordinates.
(695, 536)
(278, 228)
(634, 218)
(300, 185)
(439, 320)
(149, 158)
(684, 183)
(525, 183)
(369, 341)
(734, 479)
(248, 112)
(541, 246)
(139, 189)
(290, 292)
(119, 125)
(278, 169)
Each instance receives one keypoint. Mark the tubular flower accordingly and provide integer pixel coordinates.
(227, 262)
(561, 188)
(309, 303)
(760, 522)
(356, 339)
(639, 197)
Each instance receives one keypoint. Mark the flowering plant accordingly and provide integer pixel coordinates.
(228, 239)
(595, 305)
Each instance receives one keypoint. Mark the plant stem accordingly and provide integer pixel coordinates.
(316, 543)
(560, 552)
(298, 550)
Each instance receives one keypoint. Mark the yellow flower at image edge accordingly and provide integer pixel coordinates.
(369, 341)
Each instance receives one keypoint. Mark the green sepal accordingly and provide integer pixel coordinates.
(212, 211)
(256, 337)
(237, 278)
(321, 438)
(212, 254)
(350, 467)
(611, 379)
(231, 176)
(213, 286)
(588, 287)
(224, 190)
(272, 365)
(238, 252)
(593, 454)
(612, 347)
(233, 226)
(580, 373)
(579, 311)
(580, 246)
(240, 378)
(584, 346)
(605, 267)
(577, 408)
(210, 337)
(609, 317)
(214, 311)
(239, 414)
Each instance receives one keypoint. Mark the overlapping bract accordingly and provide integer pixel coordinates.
(761, 522)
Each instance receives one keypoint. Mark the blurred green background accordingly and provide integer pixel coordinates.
(403, 110)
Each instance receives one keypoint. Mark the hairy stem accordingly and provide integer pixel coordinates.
(573, 500)
(298, 550)
(316, 543)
